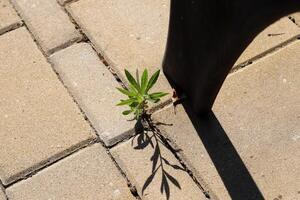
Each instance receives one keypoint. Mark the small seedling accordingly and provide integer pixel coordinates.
(138, 93)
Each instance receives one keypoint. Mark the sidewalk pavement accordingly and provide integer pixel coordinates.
(62, 137)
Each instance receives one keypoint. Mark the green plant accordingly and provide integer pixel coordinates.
(138, 93)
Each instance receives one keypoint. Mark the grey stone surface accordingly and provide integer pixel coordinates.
(8, 17)
(39, 122)
(94, 88)
(274, 35)
(49, 24)
(258, 110)
(88, 174)
(130, 34)
(138, 164)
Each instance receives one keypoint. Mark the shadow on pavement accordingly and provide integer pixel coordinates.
(149, 134)
(231, 168)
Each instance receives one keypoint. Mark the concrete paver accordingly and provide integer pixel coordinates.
(137, 164)
(39, 122)
(131, 42)
(296, 17)
(93, 86)
(62, 2)
(49, 24)
(8, 17)
(274, 35)
(87, 174)
(2, 195)
(258, 110)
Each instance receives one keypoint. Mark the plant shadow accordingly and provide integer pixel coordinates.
(148, 136)
(227, 161)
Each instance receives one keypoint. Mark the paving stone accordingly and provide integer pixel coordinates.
(8, 17)
(274, 35)
(2, 195)
(135, 42)
(87, 174)
(94, 88)
(296, 17)
(136, 158)
(257, 110)
(131, 42)
(63, 2)
(49, 24)
(39, 122)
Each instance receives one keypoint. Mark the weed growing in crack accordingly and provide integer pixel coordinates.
(138, 93)
(138, 96)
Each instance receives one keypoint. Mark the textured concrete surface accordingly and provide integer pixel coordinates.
(296, 17)
(274, 35)
(48, 22)
(62, 2)
(2, 195)
(87, 174)
(93, 86)
(138, 164)
(136, 41)
(255, 132)
(8, 17)
(38, 119)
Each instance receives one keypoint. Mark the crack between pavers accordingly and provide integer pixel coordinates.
(3, 190)
(11, 27)
(172, 147)
(266, 53)
(38, 167)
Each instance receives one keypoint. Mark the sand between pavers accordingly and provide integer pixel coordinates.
(39, 121)
(86, 175)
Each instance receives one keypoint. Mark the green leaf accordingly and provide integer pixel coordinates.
(125, 102)
(134, 105)
(157, 95)
(127, 112)
(152, 80)
(144, 81)
(132, 81)
(137, 77)
(125, 91)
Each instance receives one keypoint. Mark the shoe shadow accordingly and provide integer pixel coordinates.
(231, 168)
